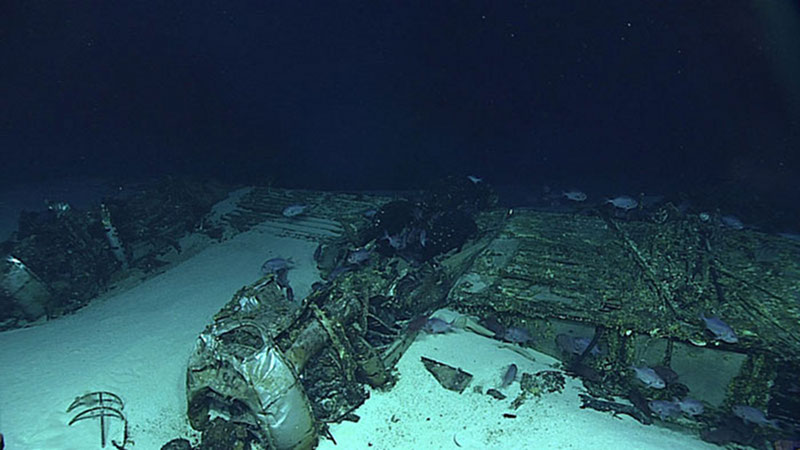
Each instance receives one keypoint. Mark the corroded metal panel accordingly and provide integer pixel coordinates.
(650, 278)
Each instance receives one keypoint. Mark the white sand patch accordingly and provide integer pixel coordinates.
(134, 343)
(419, 413)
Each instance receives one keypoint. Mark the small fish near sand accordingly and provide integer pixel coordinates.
(721, 330)
(294, 210)
(275, 265)
(435, 325)
(509, 376)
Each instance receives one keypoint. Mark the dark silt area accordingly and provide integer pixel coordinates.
(692, 99)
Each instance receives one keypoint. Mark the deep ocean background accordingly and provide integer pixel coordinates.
(619, 96)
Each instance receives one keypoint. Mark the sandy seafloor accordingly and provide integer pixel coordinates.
(136, 342)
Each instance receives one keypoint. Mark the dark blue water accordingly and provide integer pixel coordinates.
(614, 96)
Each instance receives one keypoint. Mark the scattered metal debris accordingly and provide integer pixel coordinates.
(449, 377)
(534, 385)
(496, 394)
(101, 405)
(615, 407)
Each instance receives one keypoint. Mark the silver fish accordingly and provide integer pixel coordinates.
(691, 407)
(435, 325)
(664, 408)
(517, 335)
(649, 377)
(275, 265)
(720, 329)
(732, 222)
(753, 415)
(509, 376)
(294, 210)
(623, 202)
(576, 345)
(358, 256)
(575, 196)
(397, 241)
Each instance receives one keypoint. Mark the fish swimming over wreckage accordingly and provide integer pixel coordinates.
(753, 415)
(516, 335)
(664, 408)
(275, 265)
(359, 256)
(649, 377)
(691, 407)
(674, 408)
(576, 345)
(435, 325)
(623, 202)
(294, 210)
(575, 196)
(721, 330)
